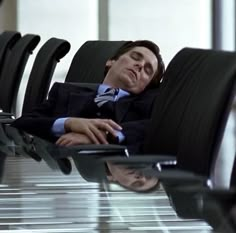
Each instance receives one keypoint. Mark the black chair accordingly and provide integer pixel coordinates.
(191, 112)
(42, 71)
(87, 67)
(89, 61)
(7, 41)
(188, 123)
(13, 70)
(189, 120)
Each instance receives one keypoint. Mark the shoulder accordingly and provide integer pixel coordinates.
(149, 94)
(74, 86)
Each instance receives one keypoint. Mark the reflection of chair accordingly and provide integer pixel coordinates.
(88, 63)
(7, 41)
(44, 65)
(13, 70)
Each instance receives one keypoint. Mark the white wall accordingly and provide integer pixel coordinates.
(172, 24)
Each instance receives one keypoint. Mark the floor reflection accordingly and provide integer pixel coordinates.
(34, 198)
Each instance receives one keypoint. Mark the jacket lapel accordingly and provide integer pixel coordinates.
(79, 100)
(122, 107)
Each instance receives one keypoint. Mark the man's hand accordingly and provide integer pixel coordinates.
(94, 129)
(73, 139)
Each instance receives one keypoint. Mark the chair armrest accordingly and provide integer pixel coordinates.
(87, 150)
(2, 113)
(6, 117)
(6, 120)
(139, 161)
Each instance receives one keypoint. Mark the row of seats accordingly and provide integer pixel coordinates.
(192, 115)
(14, 53)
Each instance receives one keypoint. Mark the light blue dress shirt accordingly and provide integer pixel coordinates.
(58, 126)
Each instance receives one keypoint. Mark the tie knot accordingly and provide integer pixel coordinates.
(109, 95)
(112, 91)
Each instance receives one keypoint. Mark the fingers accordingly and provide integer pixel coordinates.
(113, 124)
(98, 136)
(94, 129)
(108, 126)
(72, 139)
(62, 141)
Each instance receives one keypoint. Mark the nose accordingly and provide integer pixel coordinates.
(140, 176)
(139, 65)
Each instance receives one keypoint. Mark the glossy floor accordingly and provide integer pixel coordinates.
(34, 198)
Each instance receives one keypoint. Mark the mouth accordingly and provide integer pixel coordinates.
(133, 73)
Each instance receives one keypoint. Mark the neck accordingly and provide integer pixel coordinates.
(106, 82)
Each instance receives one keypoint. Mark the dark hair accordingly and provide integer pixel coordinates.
(151, 46)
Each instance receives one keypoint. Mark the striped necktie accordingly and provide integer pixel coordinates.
(109, 95)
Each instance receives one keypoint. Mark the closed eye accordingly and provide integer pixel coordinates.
(148, 69)
(136, 56)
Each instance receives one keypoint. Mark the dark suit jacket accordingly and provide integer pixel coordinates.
(72, 100)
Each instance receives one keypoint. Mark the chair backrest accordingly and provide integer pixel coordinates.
(190, 113)
(13, 70)
(89, 61)
(7, 41)
(42, 71)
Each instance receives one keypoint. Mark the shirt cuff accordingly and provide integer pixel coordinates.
(58, 128)
(120, 136)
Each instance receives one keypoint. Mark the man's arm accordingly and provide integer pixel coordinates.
(94, 129)
(40, 120)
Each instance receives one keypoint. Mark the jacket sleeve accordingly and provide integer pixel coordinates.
(39, 122)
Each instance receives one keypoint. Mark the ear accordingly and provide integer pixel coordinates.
(109, 63)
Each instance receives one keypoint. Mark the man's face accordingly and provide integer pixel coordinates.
(130, 178)
(133, 70)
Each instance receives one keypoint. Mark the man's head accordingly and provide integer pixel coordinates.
(130, 178)
(135, 66)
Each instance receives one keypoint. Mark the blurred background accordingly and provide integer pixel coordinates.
(172, 24)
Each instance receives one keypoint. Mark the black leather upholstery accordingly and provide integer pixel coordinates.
(89, 62)
(190, 112)
(41, 74)
(13, 69)
(7, 41)
(188, 121)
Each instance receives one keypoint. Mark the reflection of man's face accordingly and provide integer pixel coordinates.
(130, 178)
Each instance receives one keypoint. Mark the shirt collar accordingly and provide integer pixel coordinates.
(103, 87)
